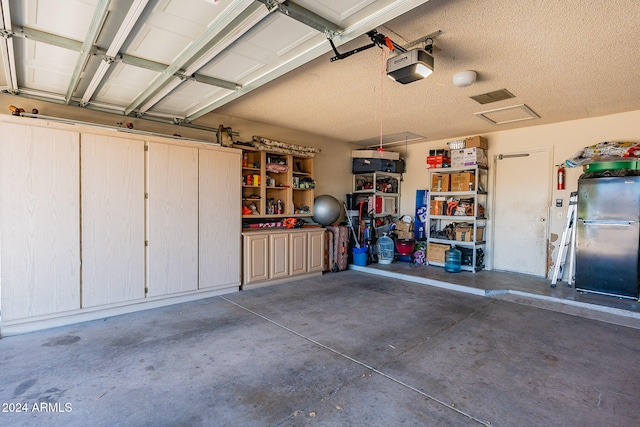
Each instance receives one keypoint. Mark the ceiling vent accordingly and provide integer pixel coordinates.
(515, 113)
(496, 95)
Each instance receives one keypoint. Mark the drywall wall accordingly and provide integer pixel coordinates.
(564, 139)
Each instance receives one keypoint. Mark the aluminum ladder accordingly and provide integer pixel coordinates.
(568, 243)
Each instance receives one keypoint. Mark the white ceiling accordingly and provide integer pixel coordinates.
(269, 61)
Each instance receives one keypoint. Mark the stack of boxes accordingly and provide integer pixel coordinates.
(466, 152)
(438, 159)
(473, 153)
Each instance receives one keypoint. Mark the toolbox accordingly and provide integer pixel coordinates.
(377, 165)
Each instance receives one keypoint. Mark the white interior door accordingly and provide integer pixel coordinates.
(522, 192)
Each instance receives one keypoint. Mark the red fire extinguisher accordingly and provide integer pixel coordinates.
(561, 176)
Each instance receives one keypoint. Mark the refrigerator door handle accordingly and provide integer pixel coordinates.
(595, 222)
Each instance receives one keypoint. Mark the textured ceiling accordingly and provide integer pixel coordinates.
(563, 59)
(180, 60)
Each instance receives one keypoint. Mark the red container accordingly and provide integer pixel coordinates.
(405, 246)
(438, 161)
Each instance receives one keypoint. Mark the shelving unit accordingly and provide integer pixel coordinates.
(263, 187)
(476, 217)
(380, 189)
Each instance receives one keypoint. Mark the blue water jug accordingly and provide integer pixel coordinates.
(452, 260)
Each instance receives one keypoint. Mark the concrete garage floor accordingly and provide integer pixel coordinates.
(520, 288)
(348, 348)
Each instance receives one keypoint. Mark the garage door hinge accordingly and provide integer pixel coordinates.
(146, 243)
(146, 195)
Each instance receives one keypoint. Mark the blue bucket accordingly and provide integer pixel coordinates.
(360, 256)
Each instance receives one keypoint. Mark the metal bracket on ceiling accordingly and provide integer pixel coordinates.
(427, 41)
(109, 59)
(183, 77)
(377, 39)
(305, 16)
(178, 121)
(271, 5)
(6, 34)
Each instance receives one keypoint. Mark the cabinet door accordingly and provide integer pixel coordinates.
(256, 256)
(279, 255)
(112, 220)
(172, 219)
(220, 219)
(316, 251)
(40, 227)
(298, 253)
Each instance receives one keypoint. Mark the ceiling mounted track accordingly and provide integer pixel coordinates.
(228, 28)
(377, 39)
(305, 16)
(121, 36)
(155, 57)
(99, 16)
(6, 48)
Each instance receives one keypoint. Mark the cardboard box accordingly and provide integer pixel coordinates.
(463, 181)
(437, 207)
(435, 252)
(440, 182)
(404, 230)
(465, 234)
(438, 162)
(468, 157)
(476, 141)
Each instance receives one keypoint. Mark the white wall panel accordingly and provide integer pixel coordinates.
(220, 222)
(172, 219)
(112, 219)
(39, 231)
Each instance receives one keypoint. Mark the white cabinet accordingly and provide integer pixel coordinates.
(92, 224)
(39, 221)
(113, 221)
(315, 262)
(172, 234)
(256, 258)
(279, 255)
(298, 255)
(220, 223)
(458, 196)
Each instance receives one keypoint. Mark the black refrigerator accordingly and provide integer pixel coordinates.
(608, 233)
